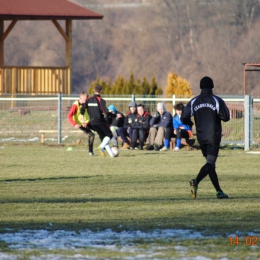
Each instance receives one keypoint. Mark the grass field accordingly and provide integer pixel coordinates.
(47, 188)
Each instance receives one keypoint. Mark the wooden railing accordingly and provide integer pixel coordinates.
(35, 80)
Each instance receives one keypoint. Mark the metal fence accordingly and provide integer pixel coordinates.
(24, 118)
(252, 79)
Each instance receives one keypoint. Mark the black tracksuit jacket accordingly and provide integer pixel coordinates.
(114, 121)
(130, 119)
(208, 111)
(97, 109)
(142, 122)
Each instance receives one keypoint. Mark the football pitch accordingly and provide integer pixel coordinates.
(60, 204)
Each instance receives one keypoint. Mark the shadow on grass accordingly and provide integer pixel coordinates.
(88, 200)
(91, 199)
(50, 178)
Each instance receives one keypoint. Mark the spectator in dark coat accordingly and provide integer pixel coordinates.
(116, 121)
(127, 130)
(160, 129)
(140, 126)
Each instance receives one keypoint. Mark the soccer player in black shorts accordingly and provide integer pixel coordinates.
(208, 111)
(97, 111)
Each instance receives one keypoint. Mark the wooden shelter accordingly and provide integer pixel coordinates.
(39, 80)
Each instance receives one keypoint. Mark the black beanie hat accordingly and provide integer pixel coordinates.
(206, 82)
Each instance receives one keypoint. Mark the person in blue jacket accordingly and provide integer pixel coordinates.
(180, 130)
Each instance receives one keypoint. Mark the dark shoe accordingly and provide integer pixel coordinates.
(139, 147)
(222, 195)
(194, 188)
(149, 148)
(156, 147)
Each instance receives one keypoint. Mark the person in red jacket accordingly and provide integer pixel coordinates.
(74, 118)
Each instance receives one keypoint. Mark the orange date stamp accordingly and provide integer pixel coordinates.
(249, 241)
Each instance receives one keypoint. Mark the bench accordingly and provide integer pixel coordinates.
(27, 110)
(184, 142)
(236, 110)
(188, 142)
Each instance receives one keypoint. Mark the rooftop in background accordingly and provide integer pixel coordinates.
(44, 9)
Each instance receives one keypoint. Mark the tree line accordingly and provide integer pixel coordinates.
(121, 86)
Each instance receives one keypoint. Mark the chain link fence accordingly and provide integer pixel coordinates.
(25, 118)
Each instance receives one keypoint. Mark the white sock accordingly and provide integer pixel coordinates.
(105, 141)
(108, 149)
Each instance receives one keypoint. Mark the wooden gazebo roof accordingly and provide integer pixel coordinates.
(44, 10)
(53, 10)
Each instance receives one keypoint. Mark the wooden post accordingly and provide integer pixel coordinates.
(42, 138)
(68, 55)
(2, 85)
(1, 42)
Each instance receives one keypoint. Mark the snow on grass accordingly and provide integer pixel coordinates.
(124, 242)
(64, 240)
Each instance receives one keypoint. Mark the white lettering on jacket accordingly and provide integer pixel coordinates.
(204, 105)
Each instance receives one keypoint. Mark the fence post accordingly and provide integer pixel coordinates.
(248, 122)
(173, 104)
(59, 117)
(42, 138)
(133, 97)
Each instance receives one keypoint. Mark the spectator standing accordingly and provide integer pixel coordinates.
(180, 130)
(160, 129)
(75, 120)
(140, 126)
(97, 109)
(208, 111)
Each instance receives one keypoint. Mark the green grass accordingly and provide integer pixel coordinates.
(139, 190)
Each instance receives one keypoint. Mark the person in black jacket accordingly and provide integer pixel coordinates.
(116, 121)
(97, 111)
(129, 120)
(208, 111)
(140, 126)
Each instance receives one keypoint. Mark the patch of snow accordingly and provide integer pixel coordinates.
(124, 242)
(12, 139)
(65, 240)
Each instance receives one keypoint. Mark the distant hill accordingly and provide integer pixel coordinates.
(192, 38)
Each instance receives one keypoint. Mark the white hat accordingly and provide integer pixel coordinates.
(160, 106)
